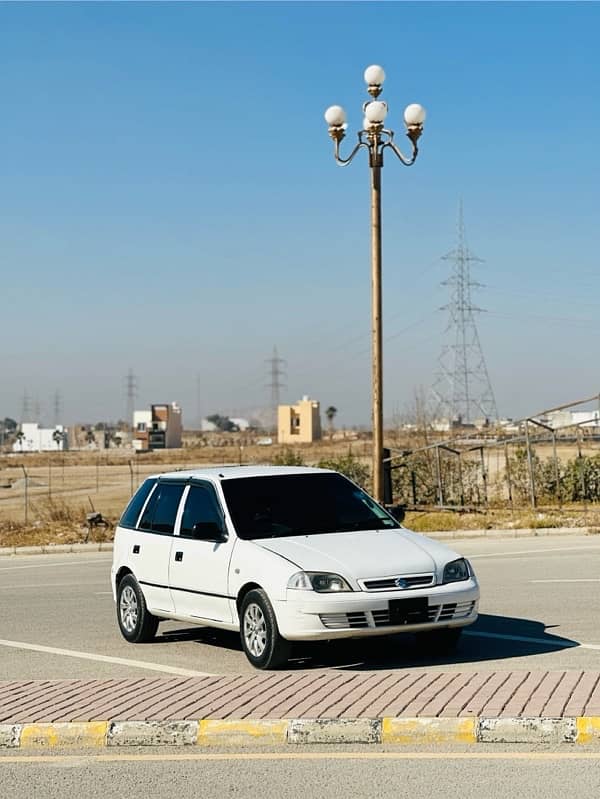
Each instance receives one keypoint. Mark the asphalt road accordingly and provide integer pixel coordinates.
(284, 774)
(539, 610)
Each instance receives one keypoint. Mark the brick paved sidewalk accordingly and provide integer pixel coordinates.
(298, 695)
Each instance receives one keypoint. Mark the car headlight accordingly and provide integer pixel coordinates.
(323, 582)
(455, 571)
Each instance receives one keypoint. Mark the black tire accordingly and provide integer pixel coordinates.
(261, 641)
(435, 642)
(137, 624)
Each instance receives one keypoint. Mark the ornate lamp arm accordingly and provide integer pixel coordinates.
(345, 161)
(413, 135)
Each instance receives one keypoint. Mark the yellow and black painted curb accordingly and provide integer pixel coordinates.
(241, 732)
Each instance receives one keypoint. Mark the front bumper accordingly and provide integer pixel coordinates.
(309, 616)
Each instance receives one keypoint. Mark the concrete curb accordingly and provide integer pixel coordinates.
(58, 549)
(440, 535)
(250, 732)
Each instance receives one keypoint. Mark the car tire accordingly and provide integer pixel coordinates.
(439, 641)
(137, 624)
(261, 641)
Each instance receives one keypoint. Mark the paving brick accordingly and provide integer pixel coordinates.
(592, 706)
(579, 698)
(398, 705)
(309, 699)
(427, 693)
(503, 694)
(515, 705)
(436, 705)
(457, 706)
(557, 702)
(536, 702)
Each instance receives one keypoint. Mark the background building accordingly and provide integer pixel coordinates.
(33, 438)
(299, 423)
(158, 428)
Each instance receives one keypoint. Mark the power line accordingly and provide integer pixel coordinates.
(462, 388)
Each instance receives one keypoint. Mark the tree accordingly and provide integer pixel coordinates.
(330, 414)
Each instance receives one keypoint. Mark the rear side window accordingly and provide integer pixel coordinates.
(132, 511)
(165, 508)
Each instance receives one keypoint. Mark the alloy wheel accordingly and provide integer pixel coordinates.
(129, 609)
(255, 630)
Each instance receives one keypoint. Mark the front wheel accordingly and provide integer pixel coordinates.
(439, 641)
(262, 643)
(137, 624)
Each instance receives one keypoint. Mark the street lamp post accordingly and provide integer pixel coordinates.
(376, 138)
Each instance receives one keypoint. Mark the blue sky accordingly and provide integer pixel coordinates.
(169, 200)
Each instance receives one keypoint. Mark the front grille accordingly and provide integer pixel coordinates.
(381, 618)
(409, 581)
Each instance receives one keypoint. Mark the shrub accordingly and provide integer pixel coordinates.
(287, 457)
(350, 466)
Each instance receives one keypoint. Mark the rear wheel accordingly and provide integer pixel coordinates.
(439, 641)
(137, 624)
(262, 643)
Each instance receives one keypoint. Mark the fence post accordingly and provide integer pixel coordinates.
(484, 476)
(438, 468)
(508, 478)
(581, 470)
(49, 475)
(556, 471)
(26, 485)
(460, 480)
(131, 477)
(530, 466)
(413, 480)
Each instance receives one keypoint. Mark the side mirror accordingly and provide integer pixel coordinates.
(398, 512)
(209, 531)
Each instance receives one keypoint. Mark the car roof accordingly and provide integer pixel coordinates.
(236, 472)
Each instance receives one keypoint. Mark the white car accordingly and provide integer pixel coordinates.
(281, 554)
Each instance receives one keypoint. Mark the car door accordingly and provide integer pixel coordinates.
(154, 543)
(198, 573)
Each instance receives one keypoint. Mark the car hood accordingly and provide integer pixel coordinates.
(364, 554)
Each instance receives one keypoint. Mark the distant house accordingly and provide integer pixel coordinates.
(299, 423)
(157, 428)
(33, 438)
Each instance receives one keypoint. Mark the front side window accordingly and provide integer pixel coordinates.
(165, 511)
(301, 504)
(201, 507)
(133, 510)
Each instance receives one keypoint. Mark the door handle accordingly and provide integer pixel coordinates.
(179, 556)
(136, 549)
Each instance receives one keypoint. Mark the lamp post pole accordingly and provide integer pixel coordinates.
(376, 138)
(376, 332)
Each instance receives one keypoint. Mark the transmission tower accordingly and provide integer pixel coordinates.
(131, 388)
(26, 407)
(462, 388)
(276, 373)
(57, 408)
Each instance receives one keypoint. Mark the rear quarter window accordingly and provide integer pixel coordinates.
(133, 510)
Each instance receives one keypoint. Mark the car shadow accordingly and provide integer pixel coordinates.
(210, 636)
(490, 638)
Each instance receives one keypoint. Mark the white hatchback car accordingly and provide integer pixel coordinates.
(281, 554)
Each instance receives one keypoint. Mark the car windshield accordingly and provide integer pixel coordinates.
(301, 504)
